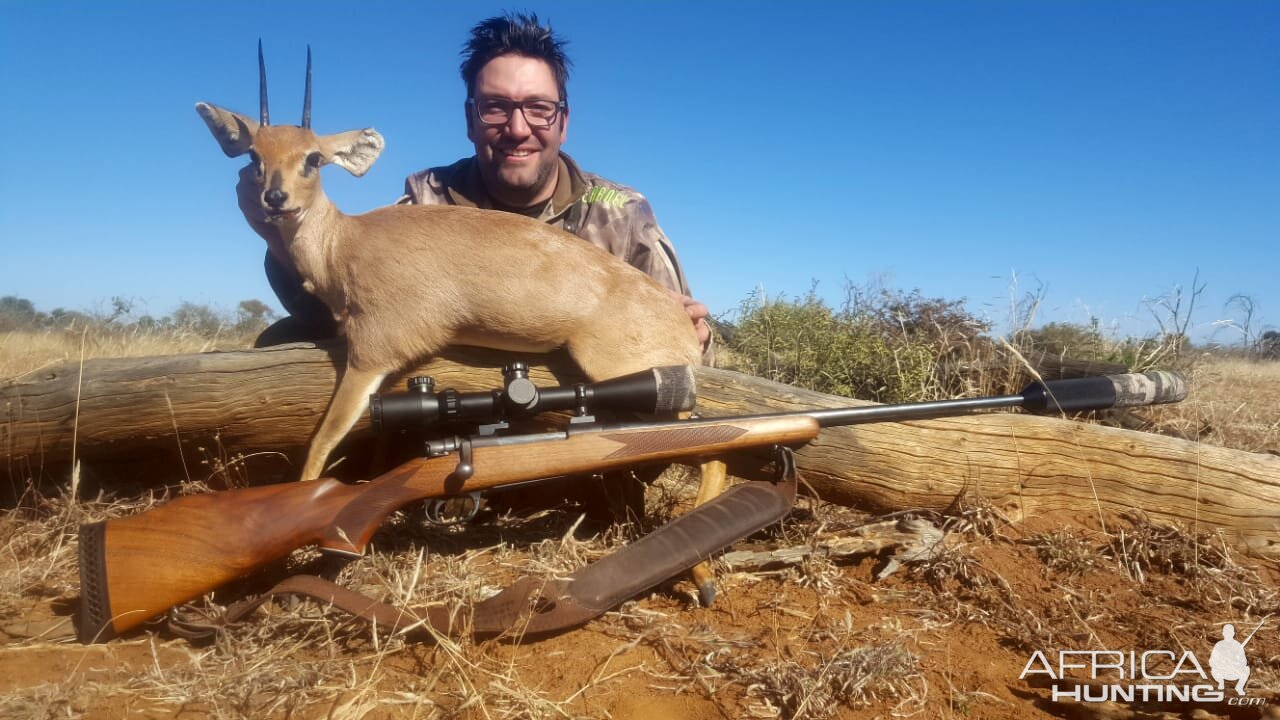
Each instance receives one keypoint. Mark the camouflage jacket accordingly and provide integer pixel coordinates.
(613, 217)
(610, 216)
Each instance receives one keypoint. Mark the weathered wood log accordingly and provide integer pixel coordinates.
(154, 420)
(254, 400)
(1021, 464)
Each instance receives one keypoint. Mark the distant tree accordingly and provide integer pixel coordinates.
(14, 305)
(1172, 313)
(19, 313)
(199, 319)
(253, 315)
(121, 307)
(1083, 342)
(1269, 345)
(945, 323)
(65, 318)
(1244, 314)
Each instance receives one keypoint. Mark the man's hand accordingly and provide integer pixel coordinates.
(698, 313)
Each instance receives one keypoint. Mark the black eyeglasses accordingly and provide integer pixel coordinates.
(498, 111)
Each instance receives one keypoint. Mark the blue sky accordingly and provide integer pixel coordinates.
(1100, 153)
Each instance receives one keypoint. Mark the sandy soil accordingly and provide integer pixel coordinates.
(949, 636)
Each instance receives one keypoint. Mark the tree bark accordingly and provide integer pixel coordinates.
(240, 403)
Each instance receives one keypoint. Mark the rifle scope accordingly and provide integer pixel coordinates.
(659, 391)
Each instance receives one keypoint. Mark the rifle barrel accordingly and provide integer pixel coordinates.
(1072, 395)
(912, 411)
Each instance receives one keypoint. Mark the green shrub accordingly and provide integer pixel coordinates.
(884, 346)
(1085, 342)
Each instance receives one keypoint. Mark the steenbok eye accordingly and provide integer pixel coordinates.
(315, 160)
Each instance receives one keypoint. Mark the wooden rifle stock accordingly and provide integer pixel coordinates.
(137, 568)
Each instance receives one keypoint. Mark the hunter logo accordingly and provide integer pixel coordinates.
(1228, 661)
(1151, 675)
(604, 195)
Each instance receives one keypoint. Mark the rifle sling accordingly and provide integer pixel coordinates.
(533, 607)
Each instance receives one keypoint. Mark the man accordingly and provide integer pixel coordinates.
(517, 117)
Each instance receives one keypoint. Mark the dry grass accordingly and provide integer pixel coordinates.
(306, 657)
(820, 638)
(1147, 586)
(25, 351)
(815, 639)
(1233, 402)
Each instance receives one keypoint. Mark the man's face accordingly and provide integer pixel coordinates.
(518, 163)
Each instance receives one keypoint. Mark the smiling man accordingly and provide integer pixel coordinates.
(517, 141)
(517, 117)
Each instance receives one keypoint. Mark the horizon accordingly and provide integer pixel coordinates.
(1102, 154)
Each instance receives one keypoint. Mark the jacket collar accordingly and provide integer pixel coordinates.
(465, 187)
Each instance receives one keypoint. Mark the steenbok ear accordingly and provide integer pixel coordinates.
(233, 131)
(354, 150)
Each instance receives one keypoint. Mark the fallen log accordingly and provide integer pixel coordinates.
(254, 400)
(1022, 465)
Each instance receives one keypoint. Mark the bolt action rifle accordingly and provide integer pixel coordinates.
(135, 569)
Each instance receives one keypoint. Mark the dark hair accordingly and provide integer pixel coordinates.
(514, 34)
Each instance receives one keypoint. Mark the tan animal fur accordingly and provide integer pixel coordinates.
(407, 281)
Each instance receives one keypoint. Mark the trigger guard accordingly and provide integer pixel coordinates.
(435, 515)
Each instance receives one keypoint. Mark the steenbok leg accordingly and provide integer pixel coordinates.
(351, 399)
(713, 477)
